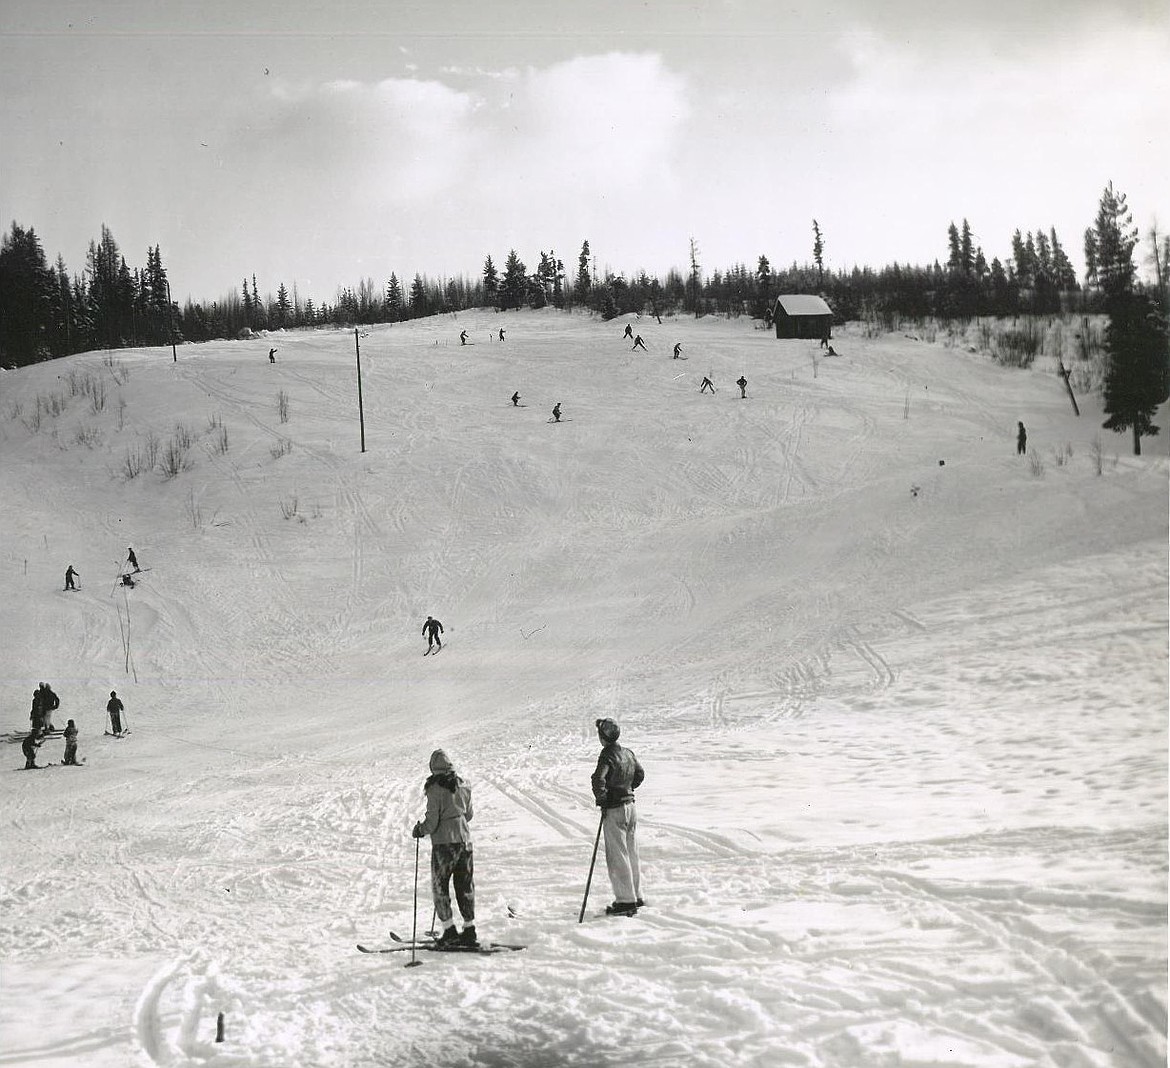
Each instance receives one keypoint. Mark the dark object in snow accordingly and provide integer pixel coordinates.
(115, 708)
(433, 947)
(70, 575)
(942, 463)
(432, 628)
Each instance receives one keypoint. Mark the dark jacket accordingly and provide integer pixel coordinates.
(617, 776)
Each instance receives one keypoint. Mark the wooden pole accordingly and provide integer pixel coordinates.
(361, 411)
(1064, 373)
(593, 861)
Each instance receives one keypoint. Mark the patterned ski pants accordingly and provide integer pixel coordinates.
(453, 862)
(621, 852)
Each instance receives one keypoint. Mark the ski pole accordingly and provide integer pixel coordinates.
(414, 961)
(593, 860)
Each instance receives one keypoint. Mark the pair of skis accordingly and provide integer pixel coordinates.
(431, 945)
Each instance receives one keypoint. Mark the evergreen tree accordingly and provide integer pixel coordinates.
(954, 257)
(1136, 338)
(583, 282)
(966, 250)
(764, 284)
(419, 305)
(1114, 239)
(393, 299)
(282, 312)
(514, 288)
(27, 288)
(491, 283)
(819, 253)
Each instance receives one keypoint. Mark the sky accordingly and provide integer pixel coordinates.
(322, 145)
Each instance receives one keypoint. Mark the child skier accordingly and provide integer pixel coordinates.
(70, 744)
(448, 813)
(29, 747)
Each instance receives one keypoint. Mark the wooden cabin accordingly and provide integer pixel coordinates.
(802, 315)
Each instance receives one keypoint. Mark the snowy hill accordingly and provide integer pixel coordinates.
(900, 694)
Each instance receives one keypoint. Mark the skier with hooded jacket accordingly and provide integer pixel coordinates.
(449, 811)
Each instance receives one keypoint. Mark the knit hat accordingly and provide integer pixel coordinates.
(608, 730)
(439, 762)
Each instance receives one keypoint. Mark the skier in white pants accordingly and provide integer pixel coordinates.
(617, 776)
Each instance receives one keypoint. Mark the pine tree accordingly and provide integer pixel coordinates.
(966, 250)
(282, 312)
(393, 299)
(491, 282)
(954, 255)
(27, 288)
(819, 253)
(418, 298)
(514, 287)
(1136, 338)
(583, 282)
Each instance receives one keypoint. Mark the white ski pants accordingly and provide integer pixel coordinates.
(621, 852)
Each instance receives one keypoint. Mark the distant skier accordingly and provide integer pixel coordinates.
(501, 333)
(70, 744)
(449, 811)
(617, 775)
(115, 708)
(128, 580)
(742, 383)
(706, 384)
(516, 399)
(557, 412)
(132, 560)
(463, 337)
(70, 575)
(639, 344)
(432, 628)
(29, 748)
(677, 349)
(825, 338)
(629, 332)
(272, 355)
(36, 717)
(1021, 440)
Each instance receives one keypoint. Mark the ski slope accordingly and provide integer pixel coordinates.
(900, 695)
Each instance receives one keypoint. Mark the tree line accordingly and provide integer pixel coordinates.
(46, 312)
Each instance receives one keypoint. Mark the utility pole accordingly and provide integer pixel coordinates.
(361, 411)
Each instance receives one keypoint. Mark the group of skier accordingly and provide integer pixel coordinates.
(44, 703)
(449, 811)
(126, 578)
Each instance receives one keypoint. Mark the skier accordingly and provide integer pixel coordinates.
(629, 332)
(462, 337)
(29, 748)
(1021, 440)
(825, 335)
(432, 628)
(131, 559)
(128, 580)
(557, 412)
(48, 704)
(516, 399)
(272, 355)
(36, 717)
(70, 575)
(501, 333)
(638, 342)
(448, 813)
(706, 384)
(677, 349)
(115, 708)
(70, 744)
(742, 383)
(617, 776)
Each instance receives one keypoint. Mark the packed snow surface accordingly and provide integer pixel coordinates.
(900, 694)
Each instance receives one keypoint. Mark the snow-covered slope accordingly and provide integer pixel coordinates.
(900, 694)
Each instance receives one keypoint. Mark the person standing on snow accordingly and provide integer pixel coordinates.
(1021, 440)
(132, 560)
(462, 337)
(70, 744)
(629, 332)
(516, 399)
(706, 384)
(432, 628)
(448, 814)
(639, 344)
(742, 383)
(501, 333)
(70, 575)
(677, 349)
(49, 703)
(29, 748)
(272, 355)
(115, 708)
(617, 776)
(557, 412)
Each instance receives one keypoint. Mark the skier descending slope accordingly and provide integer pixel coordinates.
(448, 813)
(432, 628)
